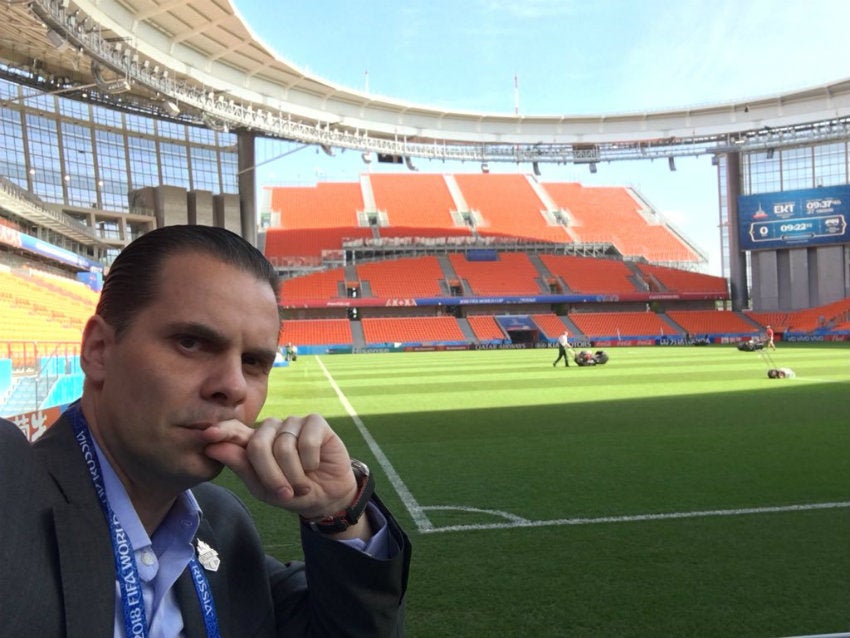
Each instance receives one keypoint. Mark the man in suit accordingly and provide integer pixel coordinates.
(110, 525)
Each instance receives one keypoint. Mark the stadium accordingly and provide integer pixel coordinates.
(122, 117)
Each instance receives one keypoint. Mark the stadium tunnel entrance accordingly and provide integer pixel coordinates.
(521, 335)
(519, 328)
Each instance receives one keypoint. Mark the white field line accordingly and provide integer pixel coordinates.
(425, 526)
(636, 518)
(416, 512)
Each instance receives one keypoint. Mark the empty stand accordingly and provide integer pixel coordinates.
(675, 280)
(512, 274)
(326, 205)
(485, 328)
(305, 246)
(613, 214)
(588, 275)
(550, 325)
(428, 330)
(319, 285)
(418, 201)
(711, 321)
(403, 278)
(509, 206)
(613, 324)
(313, 332)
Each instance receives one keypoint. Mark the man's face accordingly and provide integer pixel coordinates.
(200, 353)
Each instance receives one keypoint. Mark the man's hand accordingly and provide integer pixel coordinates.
(299, 464)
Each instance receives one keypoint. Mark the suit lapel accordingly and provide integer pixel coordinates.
(86, 566)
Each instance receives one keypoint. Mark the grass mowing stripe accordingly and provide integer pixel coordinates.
(502, 437)
(413, 507)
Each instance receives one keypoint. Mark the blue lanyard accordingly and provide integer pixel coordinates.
(130, 585)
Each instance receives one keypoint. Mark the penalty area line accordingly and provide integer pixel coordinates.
(637, 518)
(416, 512)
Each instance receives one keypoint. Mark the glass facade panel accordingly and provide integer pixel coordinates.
(81, 154)
(796, 169)
(831, 164)
(175, 168)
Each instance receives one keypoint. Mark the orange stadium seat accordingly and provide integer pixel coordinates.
(428, 330)
(512, 274)
(509, 207)
(486, 328)
(597, 276)
(550, 325)
(418, 201)
(403, 278)
(307, 332)
(609, 324)
(318, 285)
(708, 321)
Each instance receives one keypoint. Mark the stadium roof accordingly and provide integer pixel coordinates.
(197, 61)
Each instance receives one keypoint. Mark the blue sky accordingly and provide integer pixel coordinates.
(569, 57)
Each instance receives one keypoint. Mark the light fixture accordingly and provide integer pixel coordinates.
(409, 164)
(592, 167)
(367, 157)
(770, 152)
(55, 39)
(536, 168)
(172, 108)
(485, 167)
(671, 162)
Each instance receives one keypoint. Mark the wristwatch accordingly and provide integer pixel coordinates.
(341, 521)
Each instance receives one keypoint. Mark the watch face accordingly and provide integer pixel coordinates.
(359, 467)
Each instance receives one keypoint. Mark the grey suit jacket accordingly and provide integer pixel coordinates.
(57, 572)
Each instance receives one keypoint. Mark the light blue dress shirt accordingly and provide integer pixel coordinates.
(163, 558)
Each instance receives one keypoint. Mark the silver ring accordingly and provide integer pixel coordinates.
(289, 433)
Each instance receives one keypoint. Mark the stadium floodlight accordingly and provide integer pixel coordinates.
(770, 152)
(409, 163)
(671, 162)
(172, 108)
(536, 168)
(592, 167)
(485, 167)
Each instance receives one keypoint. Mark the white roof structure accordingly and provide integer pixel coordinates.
(197, 60)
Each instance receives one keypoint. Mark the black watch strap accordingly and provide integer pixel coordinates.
(341, 521)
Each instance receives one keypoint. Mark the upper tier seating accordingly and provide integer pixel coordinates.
(674, 280)
(594, 276)
(509, 207)
(319, 285)
(612, 214)
(403, 278)
(512, 274)
(306, 245)
(418, 201)
(325, 205)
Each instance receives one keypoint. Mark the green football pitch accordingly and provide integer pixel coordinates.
(671, 492)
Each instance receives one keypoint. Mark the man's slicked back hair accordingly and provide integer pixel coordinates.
(133, 279)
